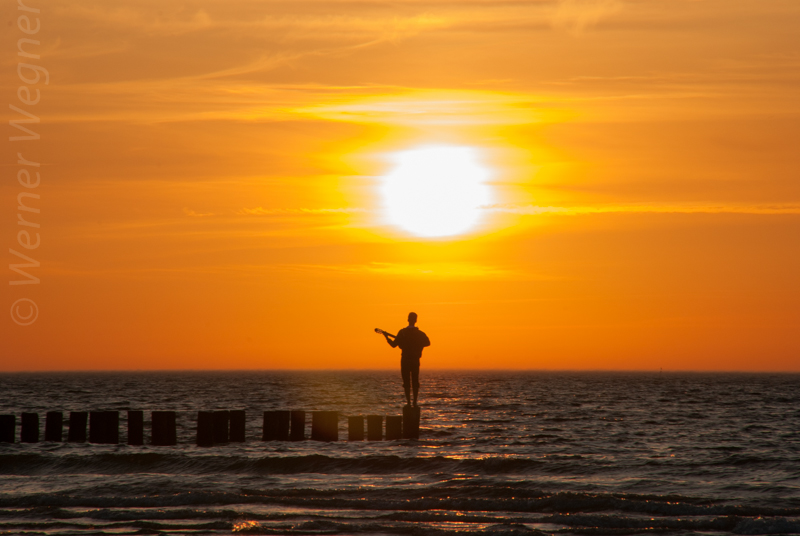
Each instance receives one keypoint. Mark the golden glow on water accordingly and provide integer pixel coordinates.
(243, 526)
(436, 191)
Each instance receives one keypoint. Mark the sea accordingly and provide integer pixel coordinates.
(506, 452)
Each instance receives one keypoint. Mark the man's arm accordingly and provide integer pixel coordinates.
(426, 342)
(392, 343)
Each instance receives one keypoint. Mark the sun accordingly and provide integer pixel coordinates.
(436, 191)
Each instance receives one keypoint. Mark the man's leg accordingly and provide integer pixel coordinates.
(415, 381)
(405, 371)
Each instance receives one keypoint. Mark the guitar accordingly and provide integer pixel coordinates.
(379, 330)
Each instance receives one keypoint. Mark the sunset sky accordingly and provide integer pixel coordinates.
(216, 183)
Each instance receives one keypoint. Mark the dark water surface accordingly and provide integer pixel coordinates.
(500, 453)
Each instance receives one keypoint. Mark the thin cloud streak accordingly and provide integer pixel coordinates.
(447, 271)
(577, 15)
(260, 211)
(645, 209)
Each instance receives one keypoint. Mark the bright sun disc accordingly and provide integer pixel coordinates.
(436, 191)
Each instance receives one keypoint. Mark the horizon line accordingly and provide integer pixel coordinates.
(459, 370)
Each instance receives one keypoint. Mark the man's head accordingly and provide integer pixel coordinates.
(412, 318)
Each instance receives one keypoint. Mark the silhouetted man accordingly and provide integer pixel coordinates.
(411, 341)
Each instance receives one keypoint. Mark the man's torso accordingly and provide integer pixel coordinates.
(411, 341)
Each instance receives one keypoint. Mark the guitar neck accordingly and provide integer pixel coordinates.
(386, 333)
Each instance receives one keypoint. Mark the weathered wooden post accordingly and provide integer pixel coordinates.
(298, 431)
(29, 431)
(276, 425)
(410, 422)
(54, 426)
(96, 425)
(77, 426)
(8, 428)
(355, 428)
(238, 420)
(104, 427)
(221, 419)
(163, 428)
(135, 427)
(112, 427)
(325, 425)
(374, 427)
(394, 427)
(205, 428)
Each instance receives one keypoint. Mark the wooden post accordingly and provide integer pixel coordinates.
(221, 419)
(238, 426)
(276, 426)
(205, 428)
(104, 427)
(163, 428)
(77, 427)
(355, 428)
(410, 422)
(298, 431)
(374, 427)
(8, 428)
(29, 431)
(95, 427)
(112, 427)
(54, 426)
(135, 427)
(394, 427)
(325, 425)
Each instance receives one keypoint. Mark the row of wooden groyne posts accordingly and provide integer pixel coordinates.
(213, 427)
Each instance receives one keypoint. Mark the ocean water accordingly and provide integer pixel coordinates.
(499, 453)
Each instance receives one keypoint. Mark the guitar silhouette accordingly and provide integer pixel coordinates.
(379, 330)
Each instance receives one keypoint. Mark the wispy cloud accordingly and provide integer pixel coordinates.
(646, 208)
(439, 270)
(261, 211)
(577, 15)
(408, 106)
(193, 214)
(302, 23)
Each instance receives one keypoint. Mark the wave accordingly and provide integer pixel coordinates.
(421, 502)
(122, 463)
(196, 462)
(192, 520)
(145, 527)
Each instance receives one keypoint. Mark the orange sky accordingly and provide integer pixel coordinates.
(211, 176)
